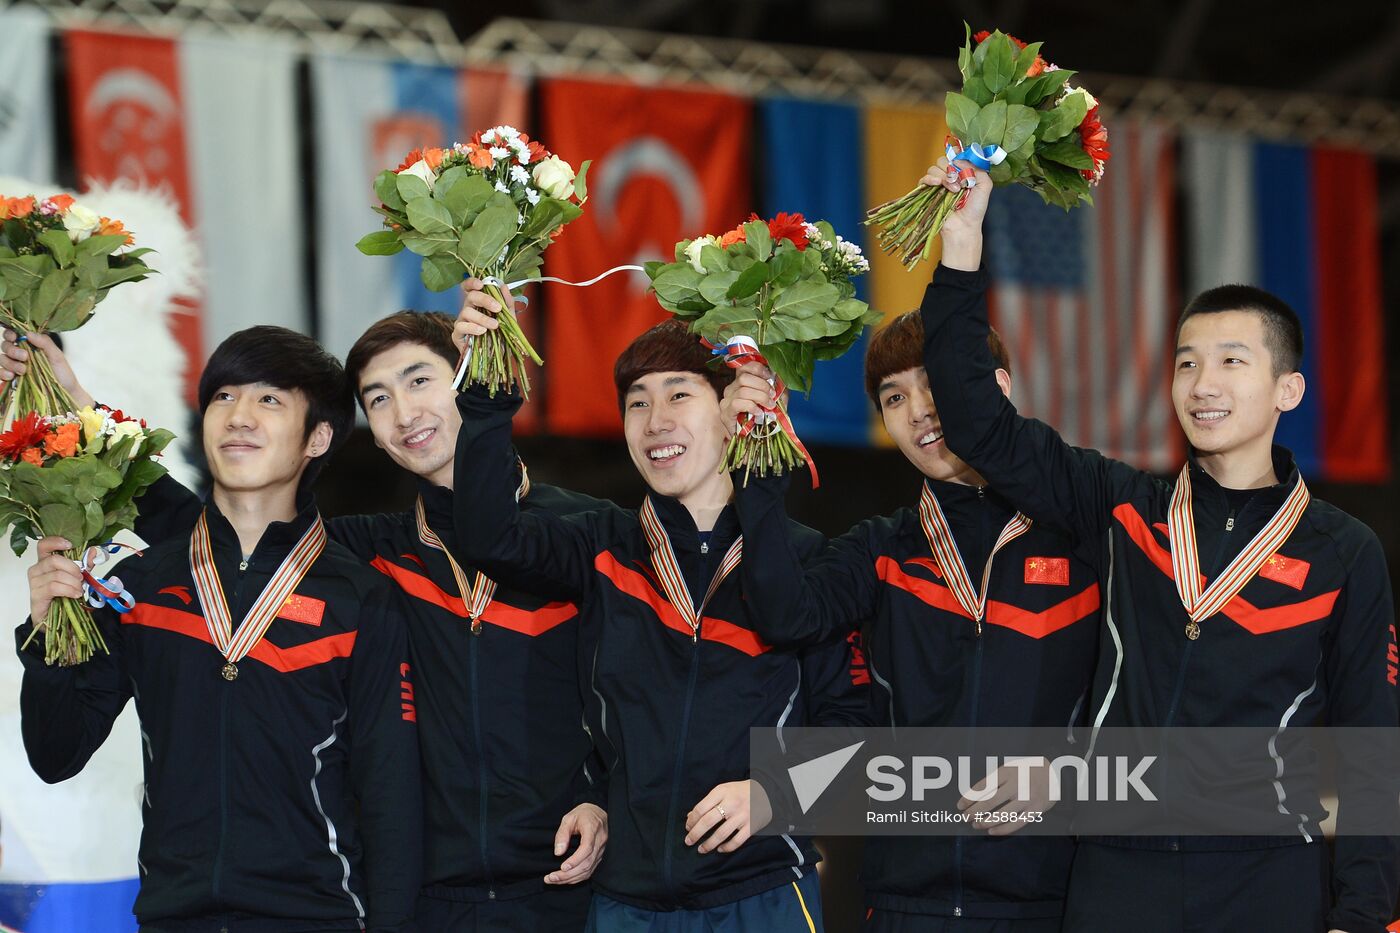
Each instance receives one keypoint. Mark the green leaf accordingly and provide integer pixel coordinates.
(786, 268)
(749, 281)
(410, 187)
(1000, 63)
(64, 521)
(74, 311)
(483, 241)
(387, 190)
(581, 181)
(1067, 152)
(20, 536)
(714, 259)
(714, 287)
(544, 217)
(94, 520)
(677, 282)
(990, 126)
(961, 112)
(26, 272)
(758, 238)
(1060, 121)
(1045, 85)
(58, 243)
(653, 267)
(100, 245)
(429, 245)
(441, 273)
(1021, 124)
(801, 329)
(975, 90)
(1002, 173)
(380, 243)
(849, 309)
(467, 198)
(447, 180)
(116, 275)
(52, 290)
(1024, 60)
(805, 299)
(791, 363)
(156, 441)
(428, 216)
(721, 323)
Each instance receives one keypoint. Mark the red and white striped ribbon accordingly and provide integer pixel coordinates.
(1186, 561)
(949, 558)
(476, 595)
(668, 570)
(293, 569)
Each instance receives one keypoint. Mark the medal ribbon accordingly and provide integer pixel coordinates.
(949, 558)
(293, 569)
(1186, 561)
(668, 570)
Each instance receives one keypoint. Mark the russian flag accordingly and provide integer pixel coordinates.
(1301, 222)
(369, 112)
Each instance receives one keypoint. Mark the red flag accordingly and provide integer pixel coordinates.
(128, 122)
(667, 164)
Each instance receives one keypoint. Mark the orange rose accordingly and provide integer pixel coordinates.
(16, 207)
(34, 456)
(733, 236)
(106, 226)
(409, 159)
(63, 440)
(62, 202)
(433, 157)
(479, 157)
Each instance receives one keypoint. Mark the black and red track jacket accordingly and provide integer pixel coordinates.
(500, 714)
(285, 800)
(670, 712)
(1030, 665)
(1308, 641)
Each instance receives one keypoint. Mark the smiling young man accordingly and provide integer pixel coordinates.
(977, 617)
(491, 664)
(1233, 599)
(674, 666)
(267, 670)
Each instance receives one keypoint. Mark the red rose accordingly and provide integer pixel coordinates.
(785, 226)
(25, 433)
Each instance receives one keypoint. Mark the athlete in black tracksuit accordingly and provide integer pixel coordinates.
(1303, 645)
(500, 713)
(1028, 662)
(282, 801)
(669, 710)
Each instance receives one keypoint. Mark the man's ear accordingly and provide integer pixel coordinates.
(1291, 388)
(320, 440)
(1004, 381)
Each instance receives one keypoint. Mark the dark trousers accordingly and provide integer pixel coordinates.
(789, 908)
(893, 921)
(1281, 890)
(553, 910)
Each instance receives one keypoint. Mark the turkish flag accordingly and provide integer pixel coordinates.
(668, 164)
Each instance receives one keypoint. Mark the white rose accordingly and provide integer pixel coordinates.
(80, 223)
(555, 177)
(1089, 100)
(420, 169)
(128, 429)
(692, 252)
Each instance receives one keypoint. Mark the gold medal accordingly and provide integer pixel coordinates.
(230, 672)
(1193, 631)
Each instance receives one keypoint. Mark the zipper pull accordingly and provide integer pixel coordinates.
(476, 625)
(1230, 522)
(978, 624)
(704, 547)
(243, 565)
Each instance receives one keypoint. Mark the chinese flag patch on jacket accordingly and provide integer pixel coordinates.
(1051, 570)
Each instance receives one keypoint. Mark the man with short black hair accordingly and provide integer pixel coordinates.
(268, 672)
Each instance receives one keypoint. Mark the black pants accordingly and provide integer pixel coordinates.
(553, 910)
(893, 921)
(1279, 890)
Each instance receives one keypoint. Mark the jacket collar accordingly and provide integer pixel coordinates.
(277, 540)
(437, 506)
(961, 502)
(680, 525)
(1205, 490)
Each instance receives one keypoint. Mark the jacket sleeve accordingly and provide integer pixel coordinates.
(1362, 692)
(66, 713)
(166, 509)
(533, 550)
(384, 762)
(1023, 459)
(799, 599)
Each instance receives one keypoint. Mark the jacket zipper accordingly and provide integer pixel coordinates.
(972, 729)
(481, 764)
(223, 748)
(1186, 654)
(668, 874)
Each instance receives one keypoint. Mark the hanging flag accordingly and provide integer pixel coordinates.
(26, 102)
(1086, 303)
(368, 114)
(826, 188)
(668, 164)
(1302, 223)
(213, 121)
(900, 144)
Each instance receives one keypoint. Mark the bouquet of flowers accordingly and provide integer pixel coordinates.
(76, 476)
(1016, 118)
(487, 208)
(778, 292)
(57, 261)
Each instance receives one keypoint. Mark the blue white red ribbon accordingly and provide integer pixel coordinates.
(111, 591)
(974, 155)
(739, 351)
(522, 300)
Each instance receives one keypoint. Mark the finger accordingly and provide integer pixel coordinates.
(484, 302)
(472, 284)
(51, 544)
(707, 803)
(1003, 794)
(43, 342)
(702, 827)
(15, 350)
(564, 834)
(722, 833)
(583, 853)
(574, 875)
(736, 840)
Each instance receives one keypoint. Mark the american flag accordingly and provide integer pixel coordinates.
(1086, 303)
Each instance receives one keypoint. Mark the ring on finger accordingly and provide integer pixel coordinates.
(720, 810)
